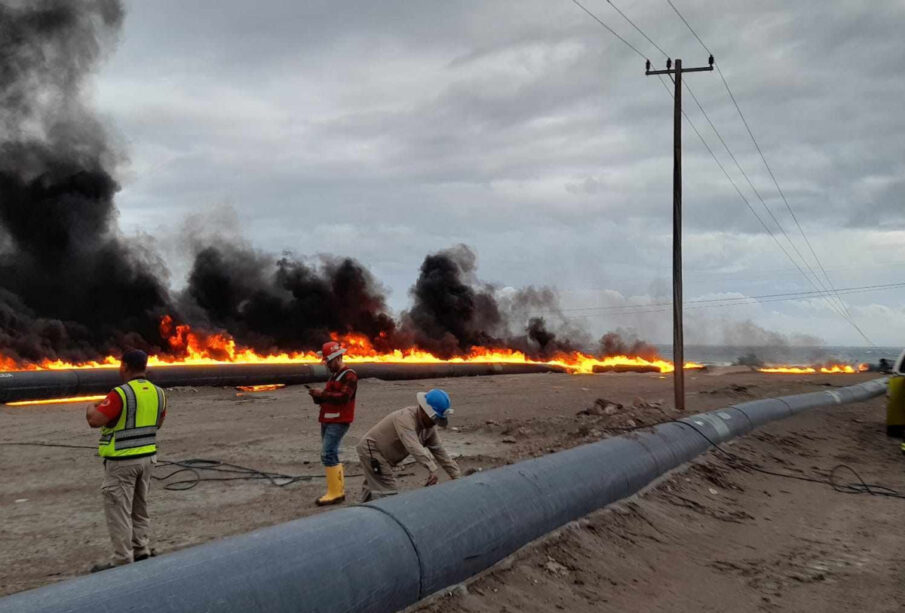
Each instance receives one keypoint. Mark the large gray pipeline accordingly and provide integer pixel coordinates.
(386, 555)
(43, 384)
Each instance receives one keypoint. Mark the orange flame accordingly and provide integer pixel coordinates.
(829, 369)
(189, 347)
(27, 403)
(260, 388)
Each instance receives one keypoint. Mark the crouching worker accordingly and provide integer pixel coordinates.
(337, 410)
(409, 431)
(129, 418)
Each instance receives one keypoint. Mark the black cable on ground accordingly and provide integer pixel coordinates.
(195, 466)
(53, 445)
(237, 472)
(232, 472)
(859, 487)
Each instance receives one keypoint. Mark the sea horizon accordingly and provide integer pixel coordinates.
(724, 355)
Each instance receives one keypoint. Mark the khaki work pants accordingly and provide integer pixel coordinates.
(375, 485)
(125, 491)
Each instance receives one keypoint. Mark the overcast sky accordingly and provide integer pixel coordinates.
(387, 130)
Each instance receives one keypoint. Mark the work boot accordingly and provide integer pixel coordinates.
(336, 492)
(145, 556)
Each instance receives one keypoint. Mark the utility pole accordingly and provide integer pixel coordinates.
(678, 339)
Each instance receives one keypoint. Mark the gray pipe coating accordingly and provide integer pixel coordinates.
(389, 554)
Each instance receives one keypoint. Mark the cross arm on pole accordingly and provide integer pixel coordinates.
(673, 70)
(678, 68)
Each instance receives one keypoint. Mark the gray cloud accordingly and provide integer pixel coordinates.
(388, 130)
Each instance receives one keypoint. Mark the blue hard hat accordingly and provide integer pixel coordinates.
(435, 401)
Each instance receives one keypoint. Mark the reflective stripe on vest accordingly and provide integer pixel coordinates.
(135, 432)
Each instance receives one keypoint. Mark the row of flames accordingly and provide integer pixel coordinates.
(832, 369)
(189, 348)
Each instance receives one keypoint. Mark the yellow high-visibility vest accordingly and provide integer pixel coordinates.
(135, 433)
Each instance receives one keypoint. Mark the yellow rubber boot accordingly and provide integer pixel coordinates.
(336, 492)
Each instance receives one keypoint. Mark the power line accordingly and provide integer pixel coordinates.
(691, 123)
(757, 193)
(842, 313)
(823, 293)
(826, 293)
(689, 27)
(780, 297)
(640, 31)
(760, 272)
(645, 309)
(611, 30)
(726, 146)
(770, 171)
(748, 203)
(722, 168)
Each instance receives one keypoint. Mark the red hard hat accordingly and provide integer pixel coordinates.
(331, 350)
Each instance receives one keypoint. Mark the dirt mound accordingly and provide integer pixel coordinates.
(609, 415)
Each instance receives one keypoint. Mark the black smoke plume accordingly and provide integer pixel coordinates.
(548, 331)
(72, 287)
(450, 315)
(284, 304)
(626, 343)
(453, 312)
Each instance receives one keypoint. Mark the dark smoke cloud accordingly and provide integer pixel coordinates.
(623, 342)
(450, 314)
(72, 287)
(285, 304)
(453, 312)
(548, 331)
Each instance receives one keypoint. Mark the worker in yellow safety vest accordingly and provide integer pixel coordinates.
(129, 417)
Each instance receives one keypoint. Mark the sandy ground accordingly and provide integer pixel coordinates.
(759, 542)
(718, 537)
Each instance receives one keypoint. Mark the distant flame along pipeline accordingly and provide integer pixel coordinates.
(188, 347)
(267, 387)
(72, 400)
(830, 369)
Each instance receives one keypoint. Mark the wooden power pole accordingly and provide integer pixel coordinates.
(678, 340)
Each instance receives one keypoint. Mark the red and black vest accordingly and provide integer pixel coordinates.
(332, 413)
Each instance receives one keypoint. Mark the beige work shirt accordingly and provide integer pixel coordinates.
(401, 434)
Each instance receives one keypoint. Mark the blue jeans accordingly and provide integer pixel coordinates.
(332, 435)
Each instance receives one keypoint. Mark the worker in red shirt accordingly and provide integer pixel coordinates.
(129, 418)
(337, 411)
